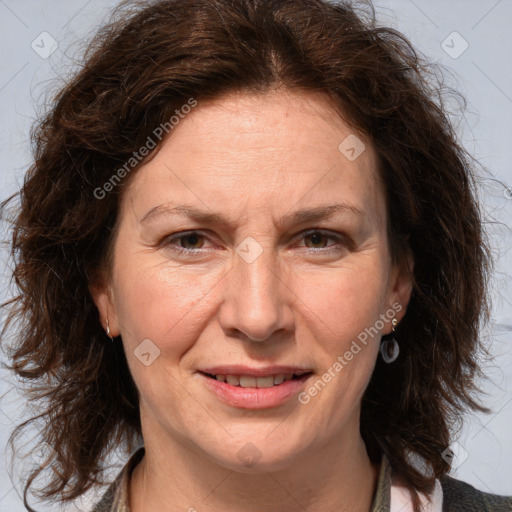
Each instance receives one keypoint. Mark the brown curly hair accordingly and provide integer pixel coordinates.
(143, 65)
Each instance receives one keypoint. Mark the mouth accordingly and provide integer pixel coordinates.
(251, 381)
(250, 388)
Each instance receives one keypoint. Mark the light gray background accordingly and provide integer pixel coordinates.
(483, 73)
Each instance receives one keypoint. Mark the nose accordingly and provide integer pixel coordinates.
(257, 299)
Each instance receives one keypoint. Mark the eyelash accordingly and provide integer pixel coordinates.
(341, 240)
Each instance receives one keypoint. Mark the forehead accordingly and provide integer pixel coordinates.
(266, 151)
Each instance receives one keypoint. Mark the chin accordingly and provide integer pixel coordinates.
(255, 457)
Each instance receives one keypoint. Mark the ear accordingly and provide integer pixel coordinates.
(400, 290)
(102, 295)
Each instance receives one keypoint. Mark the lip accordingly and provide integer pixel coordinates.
(255, 398)
(236, 369)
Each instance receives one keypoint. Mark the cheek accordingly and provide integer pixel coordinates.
(341, 303)
(162, 304)
(168, 307)
(341, 313)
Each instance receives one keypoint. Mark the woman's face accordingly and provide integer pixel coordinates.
(254, 245)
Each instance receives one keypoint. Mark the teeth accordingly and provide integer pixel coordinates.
(278, 379)
(247, 381)
(234, 380)
(265, 382)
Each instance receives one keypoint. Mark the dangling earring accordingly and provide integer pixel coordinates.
(389, 349)
(108, 331)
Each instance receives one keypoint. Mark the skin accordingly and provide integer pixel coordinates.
(252, 158)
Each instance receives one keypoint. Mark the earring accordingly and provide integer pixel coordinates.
(389, 349)
(108, 331)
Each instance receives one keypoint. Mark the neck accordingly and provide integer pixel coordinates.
(173, 476)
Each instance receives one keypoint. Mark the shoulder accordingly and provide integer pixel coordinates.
(459, 496)
(107, 500)
(116, 497)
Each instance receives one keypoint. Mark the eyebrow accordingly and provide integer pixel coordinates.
(297, 217)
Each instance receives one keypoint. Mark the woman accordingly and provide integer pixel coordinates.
(250, 242)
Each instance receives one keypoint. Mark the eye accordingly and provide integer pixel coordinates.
(186, 242)
(317, 240)
(192, 242)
